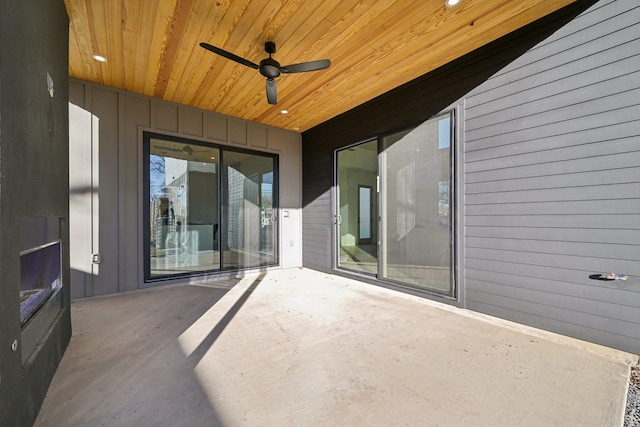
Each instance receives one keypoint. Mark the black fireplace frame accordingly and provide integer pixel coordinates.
(49, 304)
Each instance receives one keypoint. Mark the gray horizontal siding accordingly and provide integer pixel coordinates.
(548, 117)
(597, 291)
(579, 179)
(538, 271)
(521, 130)
(562, 320)
(597, 32)
(581, 265)
(316, 230)
(624, 221)
(595, 250)
(564, 307)
(552, 182)
(622, 237)
(615, 139)
(562, 97)
(601, 192)
(594, 207)
(561, 325)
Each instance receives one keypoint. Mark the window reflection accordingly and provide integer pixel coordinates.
(416, 227)
(250, 238)
(188, 194)
(183, 207)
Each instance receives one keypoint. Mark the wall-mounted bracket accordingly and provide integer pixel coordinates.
(608, 276)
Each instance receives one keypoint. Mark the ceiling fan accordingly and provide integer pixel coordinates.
(270, 68)
(185, 150)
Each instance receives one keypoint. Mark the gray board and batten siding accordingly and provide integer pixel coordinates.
(548, 176)
(106, 179)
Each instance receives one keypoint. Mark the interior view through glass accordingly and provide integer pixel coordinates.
(357, 204)
(208, 213)
(412, 242)
(249, 210)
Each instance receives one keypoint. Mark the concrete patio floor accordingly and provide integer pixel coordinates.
(301, 348)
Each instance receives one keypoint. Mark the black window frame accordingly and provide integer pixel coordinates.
(147, 136)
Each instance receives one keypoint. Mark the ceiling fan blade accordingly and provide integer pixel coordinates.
(157, 147)
(306, 66)
(272, 93)
(229, 55)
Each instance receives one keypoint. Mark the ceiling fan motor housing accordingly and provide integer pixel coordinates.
(270, 68)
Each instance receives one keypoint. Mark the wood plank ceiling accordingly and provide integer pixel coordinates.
(152, 48)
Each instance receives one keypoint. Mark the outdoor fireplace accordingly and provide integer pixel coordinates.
(41, 280)
(40, 277)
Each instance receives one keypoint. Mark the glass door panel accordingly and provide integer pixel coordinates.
(250, 233)
(415, 181)
(183, 208)
(357, 171)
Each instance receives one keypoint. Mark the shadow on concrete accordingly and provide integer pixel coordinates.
(211, 338)
(124, 365)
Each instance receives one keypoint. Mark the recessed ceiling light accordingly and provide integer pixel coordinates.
(451, 3)
(99, 58)
(284, 111)
(296, 128)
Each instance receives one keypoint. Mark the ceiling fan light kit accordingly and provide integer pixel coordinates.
(270, 68)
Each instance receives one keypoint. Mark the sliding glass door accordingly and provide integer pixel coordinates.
(393, 210)
(416, 233)
(183, 208)
(357, 170)
(250, 216)
(210, 208)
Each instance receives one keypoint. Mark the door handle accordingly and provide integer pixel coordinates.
(338, 219)
(608, 276)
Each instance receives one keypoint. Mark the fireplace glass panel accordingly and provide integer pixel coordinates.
(40, 277)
